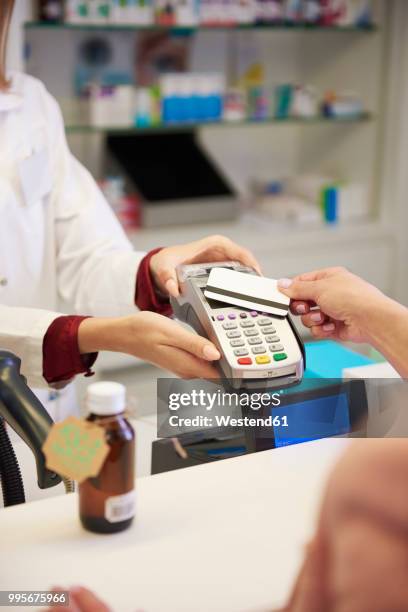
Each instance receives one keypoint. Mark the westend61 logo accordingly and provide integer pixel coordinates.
(222, 399)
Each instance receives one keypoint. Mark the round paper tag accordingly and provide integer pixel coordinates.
(75, 449)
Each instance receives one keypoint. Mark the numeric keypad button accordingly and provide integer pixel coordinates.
(251, 332)
(274, 348)
(258, 350)
(272, 338)
(234, 334)
(240, 352)
(247, 323)
(253, 341)
(229, 325)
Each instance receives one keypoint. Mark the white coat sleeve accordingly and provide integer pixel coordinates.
(22, 332)
(96, 264)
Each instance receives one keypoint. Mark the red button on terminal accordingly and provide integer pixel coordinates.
(244, 361)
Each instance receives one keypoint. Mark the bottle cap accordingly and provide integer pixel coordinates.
(105, 398)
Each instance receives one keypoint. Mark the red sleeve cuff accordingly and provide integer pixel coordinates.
(146, 297)
(61, 357)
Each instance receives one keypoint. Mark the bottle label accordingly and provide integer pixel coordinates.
(120, 507)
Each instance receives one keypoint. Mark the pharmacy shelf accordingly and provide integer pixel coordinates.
(155, 27)
(178, 127)
(255, 232)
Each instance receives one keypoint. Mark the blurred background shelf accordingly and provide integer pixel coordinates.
(321, 61)
(213, 28)
(180, 127)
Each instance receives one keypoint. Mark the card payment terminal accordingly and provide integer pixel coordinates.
(258, 350)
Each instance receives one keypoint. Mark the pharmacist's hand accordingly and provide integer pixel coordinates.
(80, 600)
(213, 248)
(153, 338)
(333, 303)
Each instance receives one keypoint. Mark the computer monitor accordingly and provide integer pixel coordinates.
(176, 178)
(313, 410)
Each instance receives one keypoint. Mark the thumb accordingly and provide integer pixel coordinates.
(168, 280)
(299, 289)
(172, 287)
(198, 346)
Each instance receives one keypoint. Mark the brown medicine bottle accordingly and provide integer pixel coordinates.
(107, 502)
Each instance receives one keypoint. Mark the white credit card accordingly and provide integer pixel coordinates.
(246, 290)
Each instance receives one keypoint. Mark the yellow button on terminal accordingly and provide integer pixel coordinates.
(261, 359)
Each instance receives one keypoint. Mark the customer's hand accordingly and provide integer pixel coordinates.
(334, 303)
(153, 338)
(358, 560)
(80, 600)
(213, 248)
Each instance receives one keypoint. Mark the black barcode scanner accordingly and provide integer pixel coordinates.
(23, 411)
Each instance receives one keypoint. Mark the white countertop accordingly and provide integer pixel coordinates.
(226, 536)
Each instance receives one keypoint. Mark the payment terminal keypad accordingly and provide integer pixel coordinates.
(253, 337)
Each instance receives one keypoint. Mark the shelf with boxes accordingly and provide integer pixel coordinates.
(290, 27)
(187, 126)
(192, 13)
(190, 100)
(321, 108)
(111, 100)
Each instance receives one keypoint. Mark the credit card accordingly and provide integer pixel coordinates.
(247, 290)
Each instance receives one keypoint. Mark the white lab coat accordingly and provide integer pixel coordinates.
(58, 237)
(59, 240)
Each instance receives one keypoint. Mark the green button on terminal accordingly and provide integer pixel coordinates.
(280, 356)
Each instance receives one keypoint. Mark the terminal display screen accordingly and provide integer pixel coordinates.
(313, 410)
(312, 419)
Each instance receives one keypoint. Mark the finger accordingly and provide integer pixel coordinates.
(328, 330)
(167, 278)
(193, 343)
(71, 607)
(297, 307)
(87, 601)
(247, 258)
(316, 317)
(187, 366)
(218, 248)
(319, 274)
(299, 290)
(198, 368)
(172, 288)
